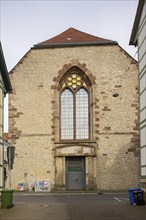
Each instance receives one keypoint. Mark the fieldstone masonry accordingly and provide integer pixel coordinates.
(111, 154)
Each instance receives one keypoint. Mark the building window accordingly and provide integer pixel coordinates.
(74, 108)
(82, 114)
(67, 117)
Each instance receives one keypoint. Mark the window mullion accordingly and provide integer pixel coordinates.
(74, 110)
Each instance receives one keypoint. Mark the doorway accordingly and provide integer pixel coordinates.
(75, 173)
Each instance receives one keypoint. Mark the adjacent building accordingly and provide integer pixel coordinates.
(5, 87)
(138, 38)
(73, 114)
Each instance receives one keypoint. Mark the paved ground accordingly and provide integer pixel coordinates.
(72, 206)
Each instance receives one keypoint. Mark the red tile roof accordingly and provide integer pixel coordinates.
(72, 37)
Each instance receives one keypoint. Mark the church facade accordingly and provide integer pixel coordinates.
(73, 114)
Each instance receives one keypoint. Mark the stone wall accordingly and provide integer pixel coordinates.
(34, 116)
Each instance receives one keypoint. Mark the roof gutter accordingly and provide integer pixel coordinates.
(4, 72)
(58, 45)
(133, 38)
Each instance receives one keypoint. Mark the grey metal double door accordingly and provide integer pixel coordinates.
(75, 173)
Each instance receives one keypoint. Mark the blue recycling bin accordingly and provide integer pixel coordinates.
(136, 196)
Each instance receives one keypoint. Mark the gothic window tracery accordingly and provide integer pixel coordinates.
(74, 107)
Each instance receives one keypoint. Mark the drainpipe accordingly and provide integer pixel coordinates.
(139, 169)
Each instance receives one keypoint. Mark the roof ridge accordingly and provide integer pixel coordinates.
(73, 36)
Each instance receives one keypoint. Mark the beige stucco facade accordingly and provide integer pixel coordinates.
(111, 154)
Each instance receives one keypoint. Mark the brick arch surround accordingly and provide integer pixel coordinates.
(76, 63)
(55, 95)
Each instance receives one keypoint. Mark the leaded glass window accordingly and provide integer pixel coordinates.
(74, 107)
(67, 118)
(82, 115)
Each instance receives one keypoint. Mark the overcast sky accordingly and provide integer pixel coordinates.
(25, 23)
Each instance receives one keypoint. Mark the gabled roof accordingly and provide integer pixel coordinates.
(4, 72)
(73, 37)
(133, 38)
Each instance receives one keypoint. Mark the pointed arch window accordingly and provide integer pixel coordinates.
(74, 107)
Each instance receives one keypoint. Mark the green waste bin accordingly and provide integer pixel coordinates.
(7, 199)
